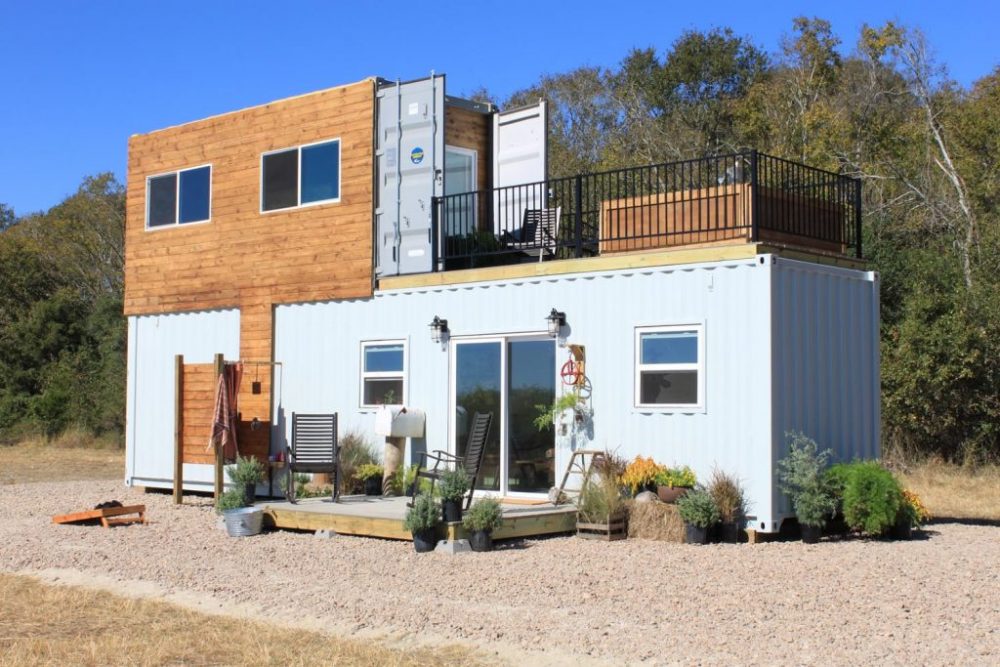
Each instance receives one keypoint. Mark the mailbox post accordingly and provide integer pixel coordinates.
(396, 423)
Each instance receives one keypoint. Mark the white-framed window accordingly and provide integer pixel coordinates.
(670, 367)
(383, 372)
(179, 197)
(303, 175)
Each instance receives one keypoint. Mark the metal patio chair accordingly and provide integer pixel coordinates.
(471, 462)
(539, 233)
(314, 450)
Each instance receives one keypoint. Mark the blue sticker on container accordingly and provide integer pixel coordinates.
(417, 155)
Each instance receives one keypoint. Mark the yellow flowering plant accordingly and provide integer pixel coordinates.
(915, 509)
(640, 473)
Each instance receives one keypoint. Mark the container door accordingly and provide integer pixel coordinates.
(520, 155)
(410, 160)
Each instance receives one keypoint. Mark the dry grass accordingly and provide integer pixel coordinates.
(59, 461)
(953, 492)
(56, 625)
(654, 521)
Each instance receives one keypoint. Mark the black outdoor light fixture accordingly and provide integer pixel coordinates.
(439, 329)
(556, 320)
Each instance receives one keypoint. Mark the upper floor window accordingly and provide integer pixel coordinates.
(300, 176)
(670, 368)
(179, 197)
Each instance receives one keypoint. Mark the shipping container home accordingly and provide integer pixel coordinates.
(709, 306)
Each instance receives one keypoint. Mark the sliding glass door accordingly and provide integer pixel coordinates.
(510, 377)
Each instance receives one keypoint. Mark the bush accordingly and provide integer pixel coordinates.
(454, 485)
(727, 492)
(871, 499)
(424, 515)
(355, 451)
(230, 499)
(697, 508)
(246, 470)
(367, 471)
(800, 475)
(485, 514)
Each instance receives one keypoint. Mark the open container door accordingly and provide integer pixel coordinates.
(410, 161)
(520, 156)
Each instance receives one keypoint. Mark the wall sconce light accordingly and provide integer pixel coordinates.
(556, 320)
(439, 329)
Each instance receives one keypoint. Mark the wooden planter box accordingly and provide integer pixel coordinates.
(613, 529)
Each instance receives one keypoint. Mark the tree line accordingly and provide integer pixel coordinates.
(882, 109)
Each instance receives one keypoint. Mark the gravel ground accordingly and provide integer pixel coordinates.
(934, 600)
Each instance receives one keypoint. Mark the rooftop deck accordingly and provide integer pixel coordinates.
(739, 199)
(374, 516)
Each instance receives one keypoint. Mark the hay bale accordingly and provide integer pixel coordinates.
(654, 521)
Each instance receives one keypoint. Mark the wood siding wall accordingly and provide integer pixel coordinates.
(198, 401)
(469, 129)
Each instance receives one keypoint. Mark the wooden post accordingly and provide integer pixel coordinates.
(179, 429)
(219, 459)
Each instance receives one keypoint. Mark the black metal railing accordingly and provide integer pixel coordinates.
(750, 196)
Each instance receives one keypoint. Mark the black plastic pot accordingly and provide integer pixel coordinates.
(695, 534)
(810, 534)
(451, 510)
(373, 486)
(481, 540)
(903, 530)
(424, 540)
(729, 533)
(249, 493)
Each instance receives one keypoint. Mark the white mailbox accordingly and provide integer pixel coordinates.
(399, 421)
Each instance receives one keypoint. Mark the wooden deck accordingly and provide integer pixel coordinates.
(383, 517)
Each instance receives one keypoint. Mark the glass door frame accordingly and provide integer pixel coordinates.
(502, 339)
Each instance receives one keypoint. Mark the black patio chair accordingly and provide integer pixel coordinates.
(471, 462)
(314, 450)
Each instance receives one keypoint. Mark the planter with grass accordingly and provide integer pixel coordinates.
(246, 474)
(801, 475)
(672, 483)
(454, 486)
(727, 492)
(699, 513)
(370, 475)
(422, 520)
(601, 511)
(480, 521)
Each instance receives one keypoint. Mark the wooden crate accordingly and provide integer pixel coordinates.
(613, 529)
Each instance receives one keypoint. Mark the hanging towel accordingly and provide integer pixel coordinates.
(224, 416)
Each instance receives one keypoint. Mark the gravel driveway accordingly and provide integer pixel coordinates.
(934, 600)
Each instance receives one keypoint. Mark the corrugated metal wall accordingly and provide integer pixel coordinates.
(153, 342)
(826, 358)
(319, 345)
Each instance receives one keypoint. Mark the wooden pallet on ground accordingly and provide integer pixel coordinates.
(108, 516)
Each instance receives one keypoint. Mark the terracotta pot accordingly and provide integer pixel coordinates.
(670, 494)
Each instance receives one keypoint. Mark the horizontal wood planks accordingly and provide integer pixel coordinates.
(241, 255)
(469, 129)
(198, 401)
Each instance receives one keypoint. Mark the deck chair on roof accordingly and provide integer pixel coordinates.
(539, 233)
(471, 462)
(314, 450)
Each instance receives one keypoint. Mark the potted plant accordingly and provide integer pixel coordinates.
(872, 497)
(801, 476)
(730, 500)
(571, 400)
(246, 474)
(672, 483)
(912, 514)
(422, 521)
(641, 475)
(699, 513)
(454, 486)
(370, 474)
(482, 518)
(601, 510)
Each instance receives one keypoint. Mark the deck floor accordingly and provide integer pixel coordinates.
(374, 516)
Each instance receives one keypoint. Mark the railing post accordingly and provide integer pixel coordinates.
(578, 222)
(435, 233)
(754, 203)
(857, 218)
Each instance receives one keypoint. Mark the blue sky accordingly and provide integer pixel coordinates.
(79, 77)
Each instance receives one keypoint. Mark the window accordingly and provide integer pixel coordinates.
(300, 176)
(383, 373)
(179, 197)
(670, 366)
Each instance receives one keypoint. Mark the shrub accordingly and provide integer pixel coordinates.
(800, 475)
(641, 473)
(697, 508)
(424, 515)
(912, 510)
(485, 514)
(727, 492)
(355, 451)
(246, 470)
(676, 477)
(454, 485)
(230, 499)
(871, 497)
(368, 470)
